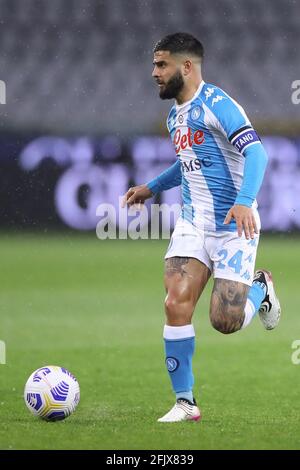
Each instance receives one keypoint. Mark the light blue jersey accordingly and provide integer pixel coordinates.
(211, 134)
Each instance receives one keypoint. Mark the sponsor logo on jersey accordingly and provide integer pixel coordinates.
(195, 164)
(180, 119)
(183, 140)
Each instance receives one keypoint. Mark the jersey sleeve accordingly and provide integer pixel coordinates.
(229, 118)
(168, 179)
(256, 160)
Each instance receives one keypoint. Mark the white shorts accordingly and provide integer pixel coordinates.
(227, 255)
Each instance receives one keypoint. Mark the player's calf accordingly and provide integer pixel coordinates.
(227, 305)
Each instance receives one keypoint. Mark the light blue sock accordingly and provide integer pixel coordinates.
(257, 294)
(255, 297)
(179, 348)
(186, 395)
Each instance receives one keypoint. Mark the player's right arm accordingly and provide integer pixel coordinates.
(166, 180)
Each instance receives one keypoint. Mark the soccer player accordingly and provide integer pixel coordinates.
(220, 165)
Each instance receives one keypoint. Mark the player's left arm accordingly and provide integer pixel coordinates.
(230, 118)
(255, 165)
(168, 179)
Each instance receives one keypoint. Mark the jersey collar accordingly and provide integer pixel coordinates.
(179, 106)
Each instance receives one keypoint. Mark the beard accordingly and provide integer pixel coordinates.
(173, 87)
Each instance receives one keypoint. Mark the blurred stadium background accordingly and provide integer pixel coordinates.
(83, 121)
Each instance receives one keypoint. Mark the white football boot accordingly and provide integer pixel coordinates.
(183, 410)
(269, 311)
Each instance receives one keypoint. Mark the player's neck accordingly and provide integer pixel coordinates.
(188, 92)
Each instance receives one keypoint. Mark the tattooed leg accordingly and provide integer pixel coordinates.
(227, 305)
(176, 265)
(185, 279)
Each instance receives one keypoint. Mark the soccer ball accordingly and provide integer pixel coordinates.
(52, 393)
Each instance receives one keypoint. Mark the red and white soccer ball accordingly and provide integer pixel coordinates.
(52, 393)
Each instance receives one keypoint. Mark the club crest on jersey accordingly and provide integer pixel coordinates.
(195, 113)
(182, 140)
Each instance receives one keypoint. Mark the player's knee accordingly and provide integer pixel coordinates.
(226, 323)
(178, 310)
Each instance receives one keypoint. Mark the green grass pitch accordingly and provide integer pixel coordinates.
(96, 308)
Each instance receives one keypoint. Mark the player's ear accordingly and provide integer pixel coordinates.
(187, 66)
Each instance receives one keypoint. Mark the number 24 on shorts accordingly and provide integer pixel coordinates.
(235, 262)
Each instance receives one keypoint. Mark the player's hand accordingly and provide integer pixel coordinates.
(244, 218)
(136, 195)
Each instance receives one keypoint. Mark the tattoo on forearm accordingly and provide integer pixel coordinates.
(227, 305)
(176, 265)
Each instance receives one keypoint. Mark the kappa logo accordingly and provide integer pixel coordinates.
(217, 99)
(209, 92)
(180, 119)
